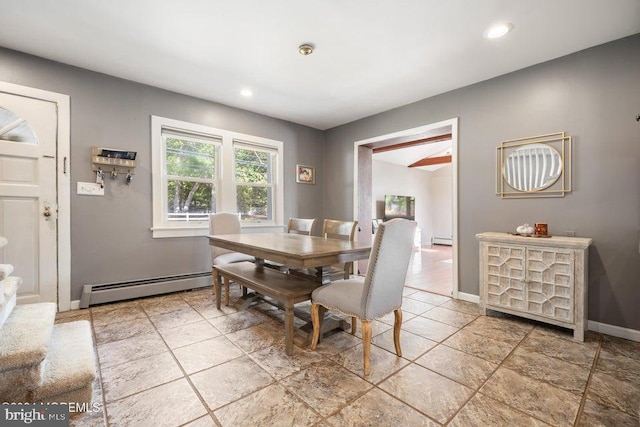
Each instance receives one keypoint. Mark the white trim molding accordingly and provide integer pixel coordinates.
(63, 188)
(615, 331)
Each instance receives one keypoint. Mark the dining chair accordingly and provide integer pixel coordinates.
(301, 226)
(344, 230)
(378, 293)
(225, 223)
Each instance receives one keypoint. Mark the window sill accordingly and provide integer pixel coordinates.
(164, 232)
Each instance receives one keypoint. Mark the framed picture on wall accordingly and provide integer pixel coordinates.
(305, 174)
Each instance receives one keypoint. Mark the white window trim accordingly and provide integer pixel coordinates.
(226, 190)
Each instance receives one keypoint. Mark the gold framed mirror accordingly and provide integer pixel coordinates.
(538, 166)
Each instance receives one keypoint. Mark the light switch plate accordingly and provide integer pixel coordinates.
(90, 189)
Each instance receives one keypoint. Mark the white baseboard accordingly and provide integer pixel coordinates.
(615, 331)
(469, 297)
(75, 304)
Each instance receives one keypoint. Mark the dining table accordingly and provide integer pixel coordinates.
(308, 256)
(296, 251)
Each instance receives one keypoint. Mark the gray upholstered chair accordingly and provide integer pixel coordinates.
(375, 295)
(345, 230)
(225, 223)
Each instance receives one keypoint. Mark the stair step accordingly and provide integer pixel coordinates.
(24, 342)
(70, 366)
(25, 336)
(8, 296)
(5, 271)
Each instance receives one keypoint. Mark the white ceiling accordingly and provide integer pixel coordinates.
(371, 55)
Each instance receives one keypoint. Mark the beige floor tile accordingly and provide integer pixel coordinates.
(390, 318)
(412, 345)
(569, 351)
(237, 321)
(429, 329)
(430, 393)
(85, 315)
(163, 304)
(478, 345)
(116, 352)
(258, 337)
(170, 404)
(536, 398)
(406, 291)
(118, 313)
(481, 410)
(464, 368)
(114, 306)
(619, 365)
(271, 406)
(138, 375)
(205, 421)
(556, 372)
(208, 310)
(325, 386)
(230, 381)
(205, 354)
(621, 347)
(595, 414)
(611, 392)
(337, 343)
(189, 334)
(276, 362)
(73, 313)
(462, 306)
(377, 408)
(413, 306)
(500, 329)
(176, 318)
(121, 330)
(450, 317)
(429, 297)
(383, 363)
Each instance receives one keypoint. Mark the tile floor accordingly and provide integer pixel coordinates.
(176, 360)
(431, 269)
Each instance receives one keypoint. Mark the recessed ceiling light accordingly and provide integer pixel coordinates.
(305, 49)
(498, 30)
(246, 93)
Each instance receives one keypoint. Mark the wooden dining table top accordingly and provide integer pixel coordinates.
(294, 250)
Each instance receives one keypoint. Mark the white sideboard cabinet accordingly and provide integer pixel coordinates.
(543, 279)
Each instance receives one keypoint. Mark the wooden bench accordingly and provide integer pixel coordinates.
(287, 289)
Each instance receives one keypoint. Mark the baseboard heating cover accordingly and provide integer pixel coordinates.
(442, 241)
(118, 291)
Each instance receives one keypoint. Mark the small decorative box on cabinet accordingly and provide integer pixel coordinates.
(543, 279)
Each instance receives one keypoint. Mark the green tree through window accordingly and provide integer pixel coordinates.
(191, 174)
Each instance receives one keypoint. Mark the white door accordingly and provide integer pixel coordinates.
(28, 195)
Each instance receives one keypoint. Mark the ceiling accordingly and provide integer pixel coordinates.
(370, 55)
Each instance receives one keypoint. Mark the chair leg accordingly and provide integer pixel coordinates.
(396, 331)
(315, 319)
(227, 283)
(354, 319)
(216, 286)
(366, 345)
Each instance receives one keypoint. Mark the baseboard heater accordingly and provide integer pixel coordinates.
(118, 291)
(442, 241)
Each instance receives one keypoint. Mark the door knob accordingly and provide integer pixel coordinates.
(47, 212)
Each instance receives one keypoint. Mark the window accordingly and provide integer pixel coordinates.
(254, 166)
(198, 170)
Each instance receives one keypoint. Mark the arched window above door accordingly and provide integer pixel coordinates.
(15, 129)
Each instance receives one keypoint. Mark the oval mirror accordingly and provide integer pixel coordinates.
(532, 167)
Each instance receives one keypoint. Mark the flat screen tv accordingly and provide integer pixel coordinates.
(399, 207)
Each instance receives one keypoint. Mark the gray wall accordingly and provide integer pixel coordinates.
(110, 236)
(594, 96)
